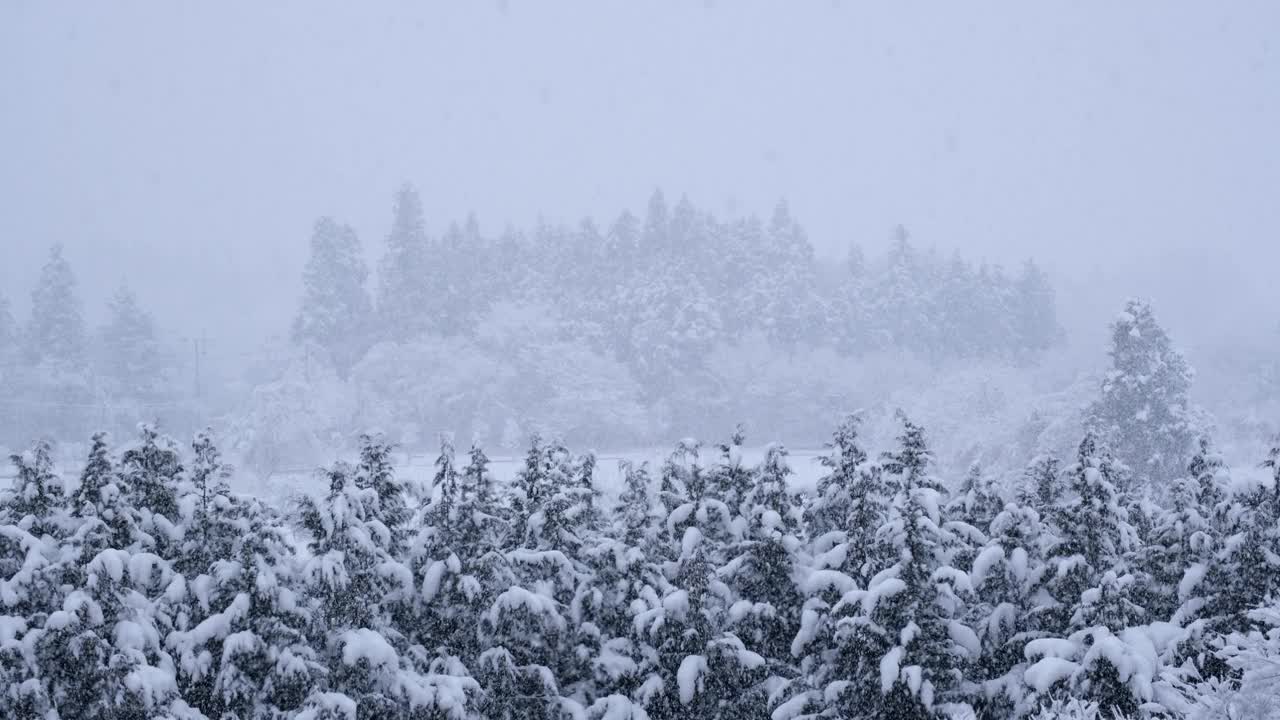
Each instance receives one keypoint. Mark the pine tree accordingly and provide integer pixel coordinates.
(333, 319)
(132, 359)
(970, 513)
(151, 471)
(792, 312)
(1243, 573)
(1092, 584)
(766, 613)
(526, 670)
(1144, 414)
(1092, 528)
(210, 531)
(32, 529)
(402, 293)
(102, 501)
(37, 495)
(376, 472)
(456, 557)
(1035, 321)
(101, 652)
(239, 641)
(8, 340)
(1043, 488)
(1184, 538)
(842, 520)
(690, 663)
(1007, 576)
(368, 659)
(55, 333)
(734, 481)
(909, 625)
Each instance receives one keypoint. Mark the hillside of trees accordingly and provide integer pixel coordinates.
(60, 378)
(599, 335)
(603, 335)
(709, 589)
(1133, 578)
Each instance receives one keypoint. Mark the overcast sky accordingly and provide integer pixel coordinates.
(188, 147)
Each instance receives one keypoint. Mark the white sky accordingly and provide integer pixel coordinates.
(189, 147)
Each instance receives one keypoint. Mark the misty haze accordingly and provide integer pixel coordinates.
(639, 361)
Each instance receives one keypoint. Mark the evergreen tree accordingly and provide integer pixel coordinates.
(842, 520)
(132, 359)
(101, 652)
(697, 666)
(333, 319)
(1042, 485)
(1092, 528)
(734, 481)
(55, 333)
(909, 625)
(32, 527)
(456, 557)
(37, 495)
(151, 471)
(390, 504)
(8, 341)
(1092, 585)
(525, 670)
(369, 661)
(1144, 413)
(210, 532)
(102, 502)
(239, 639)
(1007, 576)
(766, 613)
(402, 293)
(970, 513)
(1035, 320)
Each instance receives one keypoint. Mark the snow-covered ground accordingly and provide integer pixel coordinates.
(420, 469)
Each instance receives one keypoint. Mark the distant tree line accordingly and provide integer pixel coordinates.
(60, 378)
(658, 292)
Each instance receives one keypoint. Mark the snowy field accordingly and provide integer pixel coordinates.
(420, 469)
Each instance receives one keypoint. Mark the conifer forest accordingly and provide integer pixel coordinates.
(639, 361)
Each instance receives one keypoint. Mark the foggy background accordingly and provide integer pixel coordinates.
(188, 150)
(1117, 144)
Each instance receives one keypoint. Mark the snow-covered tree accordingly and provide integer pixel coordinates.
(358, 585)
(842, 522)
(1092, 531)
(239, 639)
(970, 512)
(151, 472)
(210, 531)
(37, 492)
(913, 644)
(402, 293)
(764, 565)
(1008, 575)
(1144, 413)
(333, 320)
(132, 360)
(55, 332)
(390, 506)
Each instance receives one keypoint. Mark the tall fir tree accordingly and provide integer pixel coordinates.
(132, 359)
(55, 332)
(910, 621)
(335, 314)
(402, 292)
(1144, 413)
